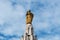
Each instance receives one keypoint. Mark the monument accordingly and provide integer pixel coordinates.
(29, 33)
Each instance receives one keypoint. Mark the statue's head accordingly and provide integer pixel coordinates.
(29, 17)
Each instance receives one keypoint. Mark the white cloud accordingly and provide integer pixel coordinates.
(12, 17)
(48, 18)
(14, 39)
(48, 15)
(56, 37)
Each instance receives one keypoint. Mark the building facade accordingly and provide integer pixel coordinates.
(29, 33)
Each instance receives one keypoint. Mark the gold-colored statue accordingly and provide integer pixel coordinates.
(29, 17)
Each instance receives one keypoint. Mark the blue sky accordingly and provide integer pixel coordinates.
(46, 20)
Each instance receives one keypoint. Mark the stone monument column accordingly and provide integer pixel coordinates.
(29, 33)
